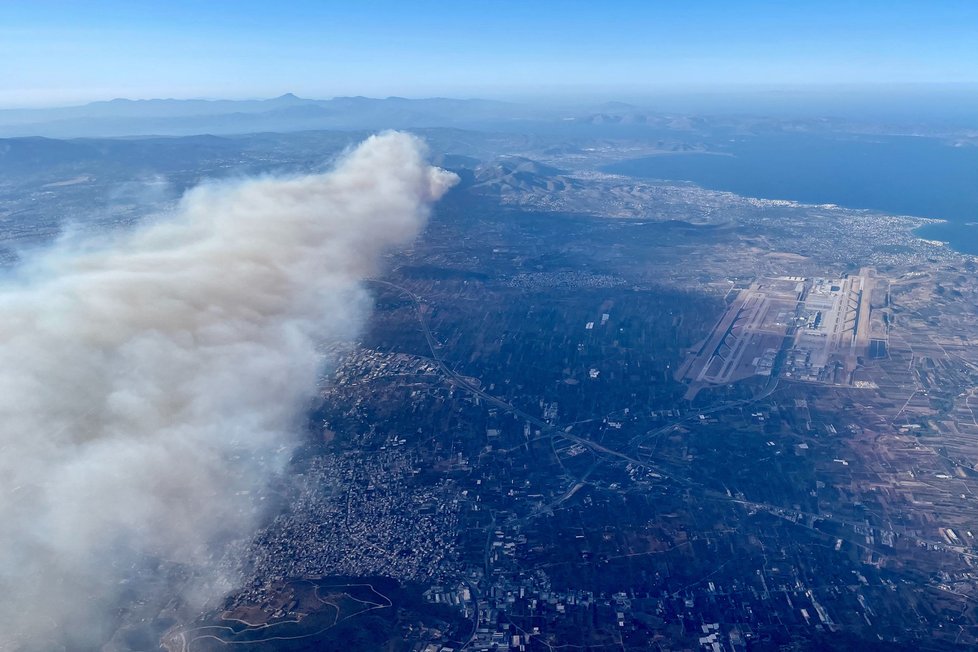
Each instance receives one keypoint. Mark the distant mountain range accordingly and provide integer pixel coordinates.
(168, 117)
(289, 113)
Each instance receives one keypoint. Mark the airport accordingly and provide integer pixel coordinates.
(793, 327)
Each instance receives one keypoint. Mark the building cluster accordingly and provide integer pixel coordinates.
(359, 515)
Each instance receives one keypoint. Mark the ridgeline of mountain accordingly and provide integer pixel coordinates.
(171, 117)
(289, 113)
(518, 174)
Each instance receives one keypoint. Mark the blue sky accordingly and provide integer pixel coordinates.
(63, 52)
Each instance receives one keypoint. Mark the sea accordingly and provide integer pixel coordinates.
(901, 175)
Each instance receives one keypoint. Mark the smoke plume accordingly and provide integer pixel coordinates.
(152, 385)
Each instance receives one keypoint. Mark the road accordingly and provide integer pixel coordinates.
(463, 382)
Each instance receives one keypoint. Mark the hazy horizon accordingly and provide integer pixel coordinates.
(537, 95)
(953, 106)
(111, 49)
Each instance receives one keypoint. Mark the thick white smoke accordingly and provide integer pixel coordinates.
(151, 386)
